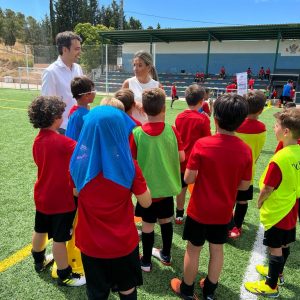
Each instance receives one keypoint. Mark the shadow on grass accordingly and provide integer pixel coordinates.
(256, 190)
(157, 283)
(247, 238)
(268, 152)
(293, 289)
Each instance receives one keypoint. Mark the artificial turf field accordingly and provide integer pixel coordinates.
(17, 176)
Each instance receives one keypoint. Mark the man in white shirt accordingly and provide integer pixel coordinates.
(56, 80)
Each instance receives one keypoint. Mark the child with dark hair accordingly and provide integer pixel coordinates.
(191, 126)
(278, 204)
(158, 149)
(83, 90)
(53, 192)
(219, 165)
(253, 133)
(126, 96)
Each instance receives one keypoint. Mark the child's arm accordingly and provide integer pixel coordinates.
(144, 199)
(140, 188)
(244, 185)
(180, 145)
(181, 156)
(271, 181)
(190, 176)
(265, 192)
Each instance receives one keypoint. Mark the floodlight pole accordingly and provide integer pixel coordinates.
(121, 15)
(207, 56)
(106, 68)
(276, 54)
(151, 45)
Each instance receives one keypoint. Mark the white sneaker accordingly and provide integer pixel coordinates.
(40, 267)
(74, 279)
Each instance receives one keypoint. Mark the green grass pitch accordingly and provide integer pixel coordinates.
(17, 176)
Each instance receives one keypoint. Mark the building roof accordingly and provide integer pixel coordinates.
(249, 32)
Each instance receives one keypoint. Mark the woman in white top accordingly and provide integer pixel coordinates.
(145, 78)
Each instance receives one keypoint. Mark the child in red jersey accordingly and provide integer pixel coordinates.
(253, 133)
(191, 126)
(53, 192)
(231, 88)
(251, 83)
(205, 109)
(126, 96)
(83, 90)
(158, 149)
(105, 177)
(278, 204)
(261, 73)
(219, 165)
(173, 94)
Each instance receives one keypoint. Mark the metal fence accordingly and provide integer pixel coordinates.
(107, 65)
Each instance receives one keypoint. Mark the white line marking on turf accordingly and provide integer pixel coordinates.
(258, 257)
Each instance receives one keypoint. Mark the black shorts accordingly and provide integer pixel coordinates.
(276, 237)
(157, 210)
(58, 226)
(198, 233)
(102, 274)
(183, 183)
(245, 195)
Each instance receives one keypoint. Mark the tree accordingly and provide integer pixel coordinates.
(158, 26)
(46, 31)
(9, 28)
(33, 34)
(93, 11)
(1, 23)
(134, 24)
(92, 54)
(52, 21)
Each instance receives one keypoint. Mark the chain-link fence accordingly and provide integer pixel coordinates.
(109, 65)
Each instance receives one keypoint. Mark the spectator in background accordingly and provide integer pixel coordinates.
(231, 88)
(261, 74)
(222, 73)
(251, 83)
(249, 73)
(293, 93)
(202, 76)
(173, 94)
(286, 92)
(268, 73)
(197, 77)
(274, 94)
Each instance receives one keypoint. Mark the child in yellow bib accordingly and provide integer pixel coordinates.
(253, 133)
(278, 202)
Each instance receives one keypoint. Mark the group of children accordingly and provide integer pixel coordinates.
(116, 156)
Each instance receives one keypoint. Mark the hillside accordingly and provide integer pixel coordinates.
(13, 57)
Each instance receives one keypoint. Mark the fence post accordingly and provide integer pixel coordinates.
(27, 72)
(106, 69)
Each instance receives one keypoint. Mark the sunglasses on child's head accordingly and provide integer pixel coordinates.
(90, 92)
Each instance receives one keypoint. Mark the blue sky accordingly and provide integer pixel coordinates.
(187, 13)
